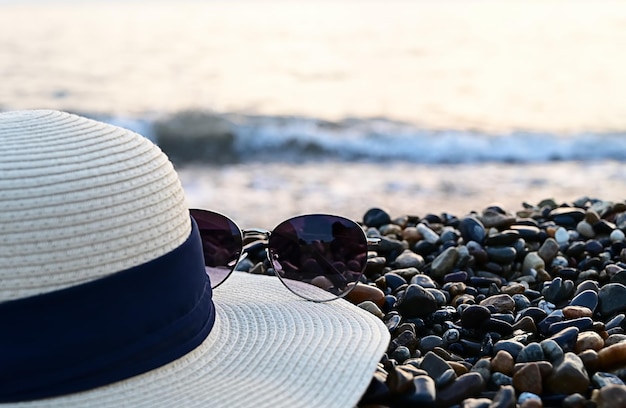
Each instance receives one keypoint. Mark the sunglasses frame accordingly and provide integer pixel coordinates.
(264, 236)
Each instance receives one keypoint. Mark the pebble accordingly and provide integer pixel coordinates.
(501, 303)
(611, 396)
(428, 234)
(444, 263)
(569, 376)
(588, 340)
(409, 259)
(528, 379)
(495, 304)
(612, 299)
(466, 386)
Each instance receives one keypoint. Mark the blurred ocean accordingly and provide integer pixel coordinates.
(272, 108)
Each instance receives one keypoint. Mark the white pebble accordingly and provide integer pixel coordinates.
(617, 235)
(561, 236)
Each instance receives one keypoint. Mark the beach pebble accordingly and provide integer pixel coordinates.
(528, 379)
(465, 386)
(444, 263)
(585, 229)
(504, 398)
(529, 400)
(472, 229)
(601, 379)
(502, 362)
(561, 236)
(548, 250)
(532, 260)
(376, 218)
(611, 396)
(588, 340)
(361, 293)
(372, 308)
(409, 259)
(612, 356)
(574, 312)
(612, 299)
(501, 303)
(569, 376)
(428, 234)
(617, 236)
(586, 298)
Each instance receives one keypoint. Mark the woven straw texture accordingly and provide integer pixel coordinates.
(269, 348)
(79, 200)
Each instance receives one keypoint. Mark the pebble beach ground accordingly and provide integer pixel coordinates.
(499, 308)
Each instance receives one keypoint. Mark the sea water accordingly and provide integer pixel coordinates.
(338, 106)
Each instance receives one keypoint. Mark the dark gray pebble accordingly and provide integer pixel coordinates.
(587, 298)
(376, 217)
(474, 316)
(416, 302)
(510, 346)
(472, 229)
(566, 338)
(612, 299)
(582, 323)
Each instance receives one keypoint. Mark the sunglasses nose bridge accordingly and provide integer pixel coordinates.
(256, 232)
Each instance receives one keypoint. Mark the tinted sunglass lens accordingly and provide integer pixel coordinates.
(326, 251)
(221, 243)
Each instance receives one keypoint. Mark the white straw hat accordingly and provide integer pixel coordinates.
(97, 247)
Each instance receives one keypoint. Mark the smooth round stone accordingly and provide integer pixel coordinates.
(392, 321)
(586, 298)
(424, 248)
(361, 293)
(548, 250)
(566, 338)
(428, 343)
(590, 360)
(551, 350)
(521, 301)
(603, 227)
(582, 323)
(428, 234)
(496, 325)
(569, 376)
(444, 263)
(422, 280)
(408, 259)
(394, 281)
(561, 236)
(376, 217)
(614, 339)
(451, 336)
(612, 356)
(617, 236)
(612, 299)
(593, 247)
(507, 237)
(460, 276)
(472, 229)
(601, 379)
(501, 303)
(465, 386)
(501, 254)
(588, 340)
(567, 216)
(416, 302)
(372, 308)
(574, 312)
(527, 232)
(611, 396)
(525, 324)
(483, 367)
(558, 290)
(574, 401)
(503, 363)
(532, 260)
(401, 354)
(585, 229)
(532, 352)
(445, 378)
(528, 379)
(474, 316)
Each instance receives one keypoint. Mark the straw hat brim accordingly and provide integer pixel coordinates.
(268, 348)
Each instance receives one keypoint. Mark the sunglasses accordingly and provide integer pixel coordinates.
(326, 251)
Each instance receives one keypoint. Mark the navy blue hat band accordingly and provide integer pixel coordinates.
(106, 330)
